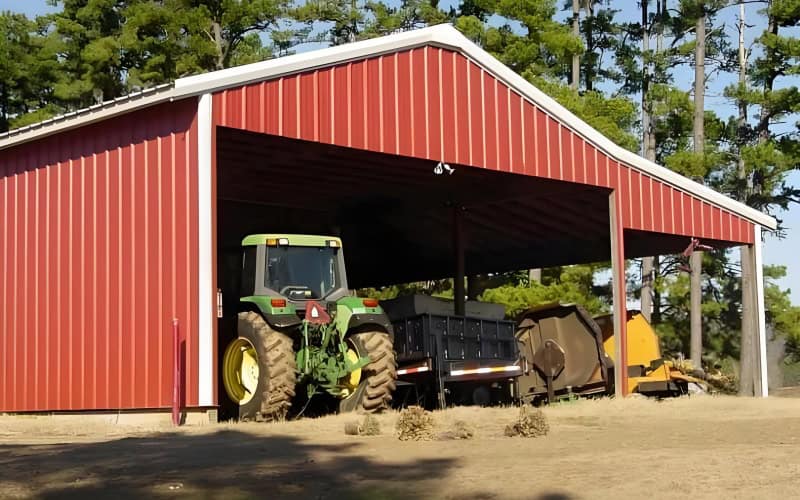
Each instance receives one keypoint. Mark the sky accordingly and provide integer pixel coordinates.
(776, 251)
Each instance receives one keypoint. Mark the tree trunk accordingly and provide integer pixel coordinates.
(696, 318)
(764, 117)
(747, 354)
(650, 154)
(576, 58)
(645, 82)
(219, 43)
(696, 315)
(742, 104)
(646, 293)
(656, 316)
(473, 287)
(588, 70)
(3, 108)
(661, 12)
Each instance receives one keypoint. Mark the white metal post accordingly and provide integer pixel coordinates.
(205, 273)
(762, 389)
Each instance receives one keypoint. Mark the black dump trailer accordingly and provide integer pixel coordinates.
(445, 359)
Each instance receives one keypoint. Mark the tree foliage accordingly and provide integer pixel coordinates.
(28, 71)
(569, 284)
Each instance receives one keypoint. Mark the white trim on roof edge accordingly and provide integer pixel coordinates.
(442, 35)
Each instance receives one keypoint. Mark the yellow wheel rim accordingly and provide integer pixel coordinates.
(240, 371)
(350, 381)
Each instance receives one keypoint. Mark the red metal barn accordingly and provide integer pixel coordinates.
(113, 217)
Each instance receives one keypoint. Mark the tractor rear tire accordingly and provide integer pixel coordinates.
(378, 378)
(277, 370)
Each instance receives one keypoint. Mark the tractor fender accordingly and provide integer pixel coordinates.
(353, 316)
(363, 322)
(282, 320)
(275, 317)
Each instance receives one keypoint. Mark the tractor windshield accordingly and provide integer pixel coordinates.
(301, 273)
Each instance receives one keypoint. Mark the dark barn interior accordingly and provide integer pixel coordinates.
(392, 209)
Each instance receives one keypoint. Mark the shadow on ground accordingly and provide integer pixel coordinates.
(225, 464)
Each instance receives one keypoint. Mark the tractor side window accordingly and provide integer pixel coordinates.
(249, 270)
(301, 273)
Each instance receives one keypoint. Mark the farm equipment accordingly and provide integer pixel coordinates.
(297, 325)
(565, 352)
(446, 358)
(648, 372)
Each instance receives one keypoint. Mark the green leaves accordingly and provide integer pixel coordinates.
(28, 71)
(527, 39)
(96, 50)
(571, 284)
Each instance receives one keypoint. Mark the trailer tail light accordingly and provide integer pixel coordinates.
(410, 371)
(370, 302)
(486, 370)
(278, 302)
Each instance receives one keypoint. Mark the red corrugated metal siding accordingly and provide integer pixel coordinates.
(436, 104)
(99, 253)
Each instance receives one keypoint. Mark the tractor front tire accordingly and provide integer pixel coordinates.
(276, 366)
(378, 378)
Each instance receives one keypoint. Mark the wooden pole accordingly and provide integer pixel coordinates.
(576, 58)
(619, 296)
(696, 262)
(458, 254)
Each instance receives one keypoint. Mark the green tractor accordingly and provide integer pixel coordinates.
(298, 326)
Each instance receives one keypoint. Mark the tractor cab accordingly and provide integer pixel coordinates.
(282, 272)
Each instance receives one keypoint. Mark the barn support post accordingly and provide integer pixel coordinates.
(458, 250)
(747, 360)
(206, 290)
(620, 309)
(762, 380)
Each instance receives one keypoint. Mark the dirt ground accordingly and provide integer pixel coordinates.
(701, 447)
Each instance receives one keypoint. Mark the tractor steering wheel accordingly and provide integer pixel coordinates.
(290, 290)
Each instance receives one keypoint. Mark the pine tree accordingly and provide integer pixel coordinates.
(86, 34)
(28, 71)
(765, 155)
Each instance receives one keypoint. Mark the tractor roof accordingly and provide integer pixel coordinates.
(297, 240)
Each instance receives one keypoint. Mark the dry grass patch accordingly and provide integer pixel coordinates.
(415, 424)
(459, 430)
(530, 423)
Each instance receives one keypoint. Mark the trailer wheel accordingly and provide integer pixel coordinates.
(378, 378)
(258, 370)
(481, 396)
